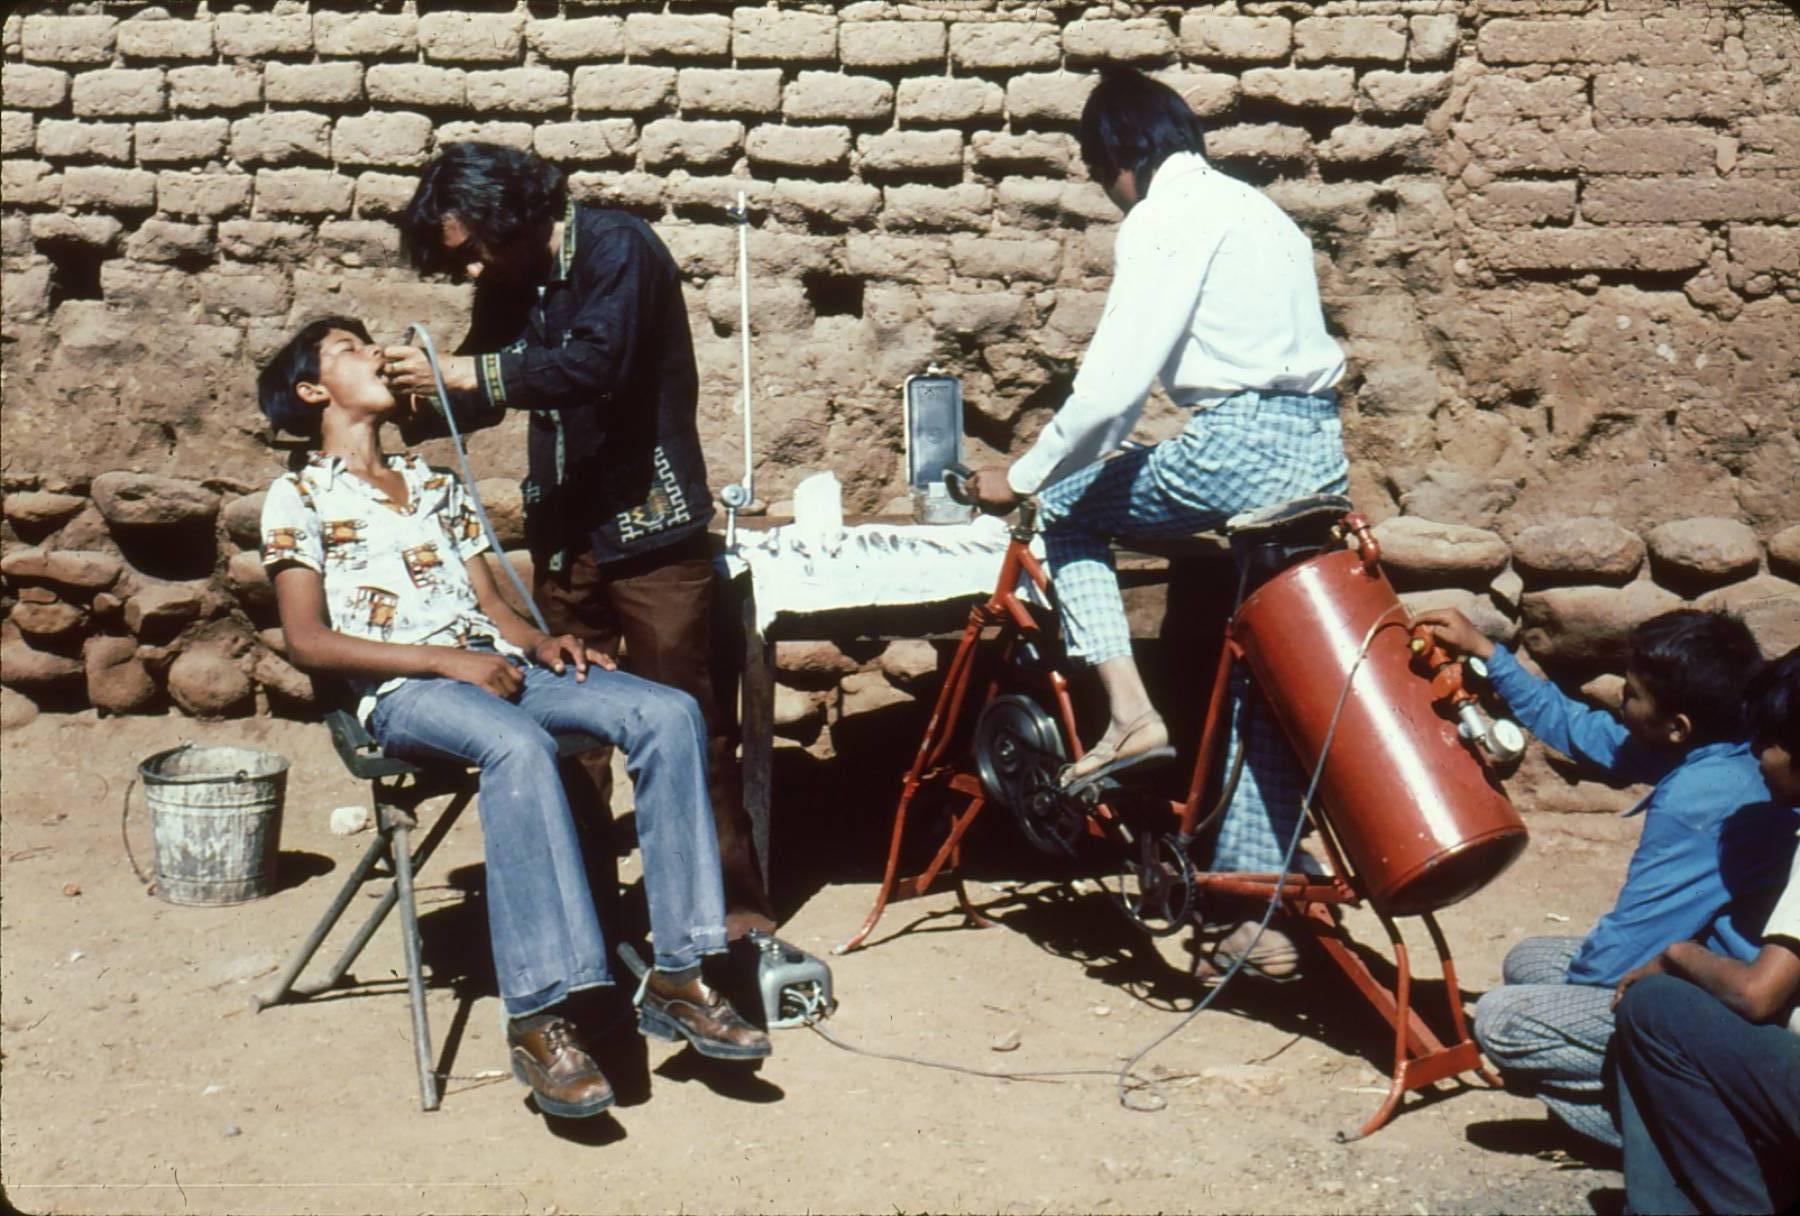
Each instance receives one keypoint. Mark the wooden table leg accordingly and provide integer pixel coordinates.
(758, 718)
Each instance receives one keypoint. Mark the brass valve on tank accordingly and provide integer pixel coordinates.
(1501, 740)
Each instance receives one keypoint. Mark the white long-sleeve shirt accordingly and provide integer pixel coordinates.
(1213, 290)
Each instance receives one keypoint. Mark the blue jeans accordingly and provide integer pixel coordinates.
(541, 921)
(1709, 1104)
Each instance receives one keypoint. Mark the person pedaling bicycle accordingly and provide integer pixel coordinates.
(1213, 292)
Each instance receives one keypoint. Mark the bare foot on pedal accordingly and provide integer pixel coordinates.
(1143, 739)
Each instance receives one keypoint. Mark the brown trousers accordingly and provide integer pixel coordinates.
(659, 606)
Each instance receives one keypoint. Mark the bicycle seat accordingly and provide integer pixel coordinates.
(1268, 540)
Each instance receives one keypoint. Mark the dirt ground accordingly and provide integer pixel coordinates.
(138, 1079)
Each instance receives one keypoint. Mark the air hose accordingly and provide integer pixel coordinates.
(418, 332)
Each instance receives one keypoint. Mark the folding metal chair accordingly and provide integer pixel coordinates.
(396, 789)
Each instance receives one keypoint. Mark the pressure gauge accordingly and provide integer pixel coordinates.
(1475, 666)
(1507, 739)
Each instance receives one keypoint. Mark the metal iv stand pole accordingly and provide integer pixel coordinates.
(739, 494)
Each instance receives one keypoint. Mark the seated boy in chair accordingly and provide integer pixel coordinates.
(380, 580)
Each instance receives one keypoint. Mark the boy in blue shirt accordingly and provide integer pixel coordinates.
(1710, 836)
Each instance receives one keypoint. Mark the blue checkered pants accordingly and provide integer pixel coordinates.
(1250, 450)
(1549, 1036)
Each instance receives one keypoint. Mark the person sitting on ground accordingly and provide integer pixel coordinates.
(1710, 837)
(1709, 1045)
(379, 574)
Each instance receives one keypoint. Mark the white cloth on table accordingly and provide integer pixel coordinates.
(872, 565)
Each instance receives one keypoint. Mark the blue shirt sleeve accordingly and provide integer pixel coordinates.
(1576, 730)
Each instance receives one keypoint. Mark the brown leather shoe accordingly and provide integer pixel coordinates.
(548, 1056)
(702, 1017)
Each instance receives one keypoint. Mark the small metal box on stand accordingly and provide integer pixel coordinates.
(934, 426)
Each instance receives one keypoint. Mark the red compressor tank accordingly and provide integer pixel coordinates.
(1414, 811)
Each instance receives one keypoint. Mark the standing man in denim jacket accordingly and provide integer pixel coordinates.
(579, 320)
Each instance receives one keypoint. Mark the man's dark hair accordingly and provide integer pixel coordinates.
(1697, 663)
(1133, 122)
(294, 363)
(499, 194)
(1772, 705)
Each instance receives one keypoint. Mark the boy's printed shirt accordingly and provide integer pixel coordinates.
(392, 574)
(1714, 849)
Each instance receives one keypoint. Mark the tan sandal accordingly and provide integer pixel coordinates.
(1143, 741)
(1273, 956)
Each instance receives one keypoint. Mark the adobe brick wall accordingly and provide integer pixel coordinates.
(1560, 240)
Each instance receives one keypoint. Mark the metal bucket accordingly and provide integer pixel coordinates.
(215, 817)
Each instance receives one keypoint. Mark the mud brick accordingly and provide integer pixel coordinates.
(1048, 96)
(1035, 259)
(1005, 46)
(1403, 92)
(827, 95)
(26, 86)
(160, 38)
(416, 84)
(705, 144)
(729, 91)
(99, 231)
(118, 93)
(366, 35)
(1265, 142)
(633, 191)
(360, 242)
(259, 35)
(313, 84)
(665, 36)
(848, 203)
(1316, 88)
(25, 293)
(1503, 98)
(799, 147)
(938, 208)
(182, 140)
(472, 37)
(15, 236)
(711, 193)
(1676, 200)
(239, 291)
(702, 250)
(383, 194)
(116, 189)
(382, 139)
(203, 194)
(940, 99)
(624, 88)
(265, 240)
(911, 151)
(510, 134)
(1770, 250)
(12, 30)
(1087, 202)
(302, 192)
(235, 86)
(69, 39)
(519, 91)
(1434, 40)
(1656, 42)
(770, 34)
(1358, 144)
(1029, 202)
(279, 137)
(609, 139)
(577, 40)
(898, 259)
(1630, 95)
(1208, 94)
(1350, 40)
(167, 241)
(891, 44)
(18, 132)
(62, 139)
(1581, 249)
(133, 287)
(1509, 204)
(1216, 38)
(1659, 149)
(997, 153)
(1770, 141)
(1137, 40)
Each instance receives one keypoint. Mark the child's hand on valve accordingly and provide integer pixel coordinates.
(1456, 632)
(991, 491)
